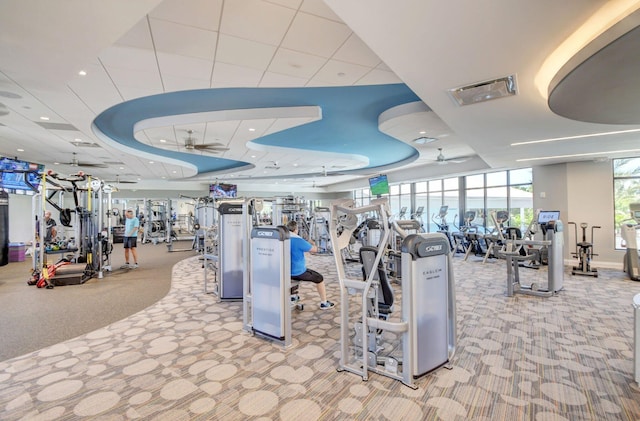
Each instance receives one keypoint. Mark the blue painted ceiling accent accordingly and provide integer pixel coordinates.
(349, 121)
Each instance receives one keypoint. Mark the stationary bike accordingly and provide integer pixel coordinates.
(584, 251)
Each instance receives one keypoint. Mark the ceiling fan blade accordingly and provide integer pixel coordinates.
(87, 164)
(210, 147)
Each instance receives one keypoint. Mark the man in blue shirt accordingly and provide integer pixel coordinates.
(299, 271)
(131, 226)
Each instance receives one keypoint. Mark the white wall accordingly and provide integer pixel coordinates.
(582, 192)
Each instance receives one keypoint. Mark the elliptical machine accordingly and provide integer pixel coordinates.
(629, 229)
(584, 251)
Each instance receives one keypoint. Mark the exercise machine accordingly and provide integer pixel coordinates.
(86, 252)
(553, 239)
(155, 217)
(267, 300)
(584, 251)
(496, 238)
(232, 235)
(425, 337)
(319, 230)
(629, 231)
(443, 225)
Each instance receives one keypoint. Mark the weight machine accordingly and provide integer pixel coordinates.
(427, 329)
(87, 252)
(156, 217)
(229, 257)
(553, 239)
(267, 301)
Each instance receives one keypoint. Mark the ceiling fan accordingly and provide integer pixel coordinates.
(76, 163)
(191, 145)
(273, 165)
(441, 159)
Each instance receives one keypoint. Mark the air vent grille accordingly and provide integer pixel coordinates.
(485, 91)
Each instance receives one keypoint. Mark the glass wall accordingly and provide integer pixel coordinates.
(626, 190)
(484, 194)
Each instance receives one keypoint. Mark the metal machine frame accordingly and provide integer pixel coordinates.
(425, 262)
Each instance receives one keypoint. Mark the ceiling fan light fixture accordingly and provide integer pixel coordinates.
(424, 140)
(485, 91)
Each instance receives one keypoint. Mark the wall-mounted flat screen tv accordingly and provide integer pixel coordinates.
(19, 176)
(222, 190)
(379, 185)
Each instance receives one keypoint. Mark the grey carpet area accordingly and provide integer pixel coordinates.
(567, 357)
(32, 318)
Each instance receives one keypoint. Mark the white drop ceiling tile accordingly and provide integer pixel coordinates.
(148, 81)
(317, 83)
(96, 89)
(137, 37)
(130, 92)
(291, 4)
(319, 8)
(223, 130)
(275, 80)
(189, 41)
(383, 66)
(256, 20)
(242, 52)
(354, 50)
(229, 75)
(176, 83)
(188, 67)
(293, 63)
(129, 58)
(378, 77)
(339, 72)
(204, 14)
(315, 35)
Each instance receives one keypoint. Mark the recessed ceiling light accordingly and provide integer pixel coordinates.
(163, 140)
(253, 156)
(175, 172)
(20, 150)
(151, 162)
(422, 132)
(555, 139)
(122, 168)
(252, 129)
(295, 164)
(77, 139)
(577, 155)
(82, 73)
(45, 118)
(56, 163)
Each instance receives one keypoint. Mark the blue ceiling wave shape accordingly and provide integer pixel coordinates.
(348, 123)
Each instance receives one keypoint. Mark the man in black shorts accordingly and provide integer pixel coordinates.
(131, 226)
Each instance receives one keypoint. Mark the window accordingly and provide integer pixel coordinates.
(626, 190)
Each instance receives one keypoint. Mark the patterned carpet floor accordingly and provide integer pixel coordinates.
(566, 357)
